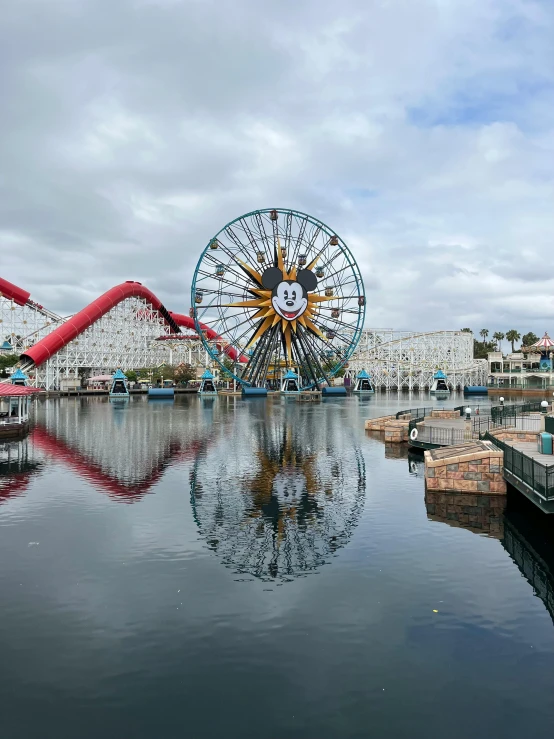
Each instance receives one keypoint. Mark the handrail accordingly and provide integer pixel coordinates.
(535, 475)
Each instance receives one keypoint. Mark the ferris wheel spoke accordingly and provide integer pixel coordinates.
(263, 235)
(239, 275)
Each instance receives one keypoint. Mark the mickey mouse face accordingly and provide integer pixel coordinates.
(289, 298)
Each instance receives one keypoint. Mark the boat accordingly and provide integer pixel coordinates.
(207, 384)
(440, 386)
(290, 384)
(15, 405)
(363, 384)
(119, 389)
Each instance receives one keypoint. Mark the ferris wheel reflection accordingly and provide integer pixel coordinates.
(282, 496)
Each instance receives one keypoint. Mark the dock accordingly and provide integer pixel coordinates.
(309, 396)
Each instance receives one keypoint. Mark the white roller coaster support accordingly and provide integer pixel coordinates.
(405, 360)
(126, 337)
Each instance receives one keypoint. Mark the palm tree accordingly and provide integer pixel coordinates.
(498, 336)
(466, 331)
(512, 335)
(484, 332)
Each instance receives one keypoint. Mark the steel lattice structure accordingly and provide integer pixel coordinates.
(405, 360)
(131, 335)
(128, 337)
(135, 334)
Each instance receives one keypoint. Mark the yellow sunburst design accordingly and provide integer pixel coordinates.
(267, 314)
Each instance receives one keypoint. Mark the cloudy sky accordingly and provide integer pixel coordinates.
(422, 131)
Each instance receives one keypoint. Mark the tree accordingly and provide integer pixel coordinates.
(7, 360)
(484, 332)
(131, 375)
(498, 336)
(480, 349)
(467, 331)
(184, 373)
(228, 371)
(529, 339)
(512, 335)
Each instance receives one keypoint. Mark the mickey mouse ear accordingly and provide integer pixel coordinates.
(272, 277)
(307, 279)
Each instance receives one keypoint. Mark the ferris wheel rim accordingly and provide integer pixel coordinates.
(351, 262)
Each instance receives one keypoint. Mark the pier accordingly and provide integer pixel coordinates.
(453, 445)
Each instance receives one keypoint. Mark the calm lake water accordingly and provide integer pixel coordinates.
(261, 568)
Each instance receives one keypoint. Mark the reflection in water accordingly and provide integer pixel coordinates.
(16, 468)
(394, 451)
(282, 494)
(122, 454)
(482, 514)
(416, 464)
(529, 540)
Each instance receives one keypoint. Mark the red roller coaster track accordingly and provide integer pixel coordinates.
(74, 326)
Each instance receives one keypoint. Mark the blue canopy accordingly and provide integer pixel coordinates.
(290, 375)
(18, 375)
(207, 375)
(6, 345)
(440, 375)
(119, 375)
(363, 376)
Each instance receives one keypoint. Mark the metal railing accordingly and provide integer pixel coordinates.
(417, 412)
(537, 476)
(442, 436)
(499, 411)
(481, 424)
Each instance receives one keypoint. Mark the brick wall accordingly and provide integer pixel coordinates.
(479, 473)
(396, 431)
(378, 424)
(515, 435)
(445, 414)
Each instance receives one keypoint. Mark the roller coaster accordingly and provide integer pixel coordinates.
(129, 327)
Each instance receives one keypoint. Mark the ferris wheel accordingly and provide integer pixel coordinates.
(280, 290)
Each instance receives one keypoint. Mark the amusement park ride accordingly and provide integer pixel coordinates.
(274, 291)
(283, 288)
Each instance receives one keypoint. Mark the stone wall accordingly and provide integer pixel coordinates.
(515, 435)
(445, 414)
(378, 424)
(396, 431)
(475, 467)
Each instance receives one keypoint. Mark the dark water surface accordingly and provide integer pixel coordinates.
(228, 568)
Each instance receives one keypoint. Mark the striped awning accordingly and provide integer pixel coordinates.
(9, 390)
(544, 343)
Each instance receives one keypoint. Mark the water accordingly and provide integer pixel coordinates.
(228, 568)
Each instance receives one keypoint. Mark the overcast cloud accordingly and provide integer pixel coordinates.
(422, 131)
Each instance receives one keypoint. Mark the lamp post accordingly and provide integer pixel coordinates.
(544, 406)
(501, 399)
(468, 414)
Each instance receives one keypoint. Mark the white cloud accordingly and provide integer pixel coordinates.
(421, 130)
